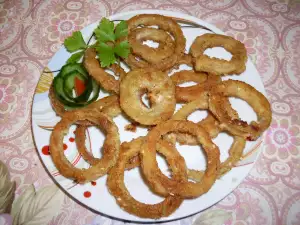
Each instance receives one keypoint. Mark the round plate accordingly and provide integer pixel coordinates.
(99, 200)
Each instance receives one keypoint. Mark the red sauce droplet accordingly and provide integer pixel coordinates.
(65, 146)
(74, 132)
(93, 183)
(71, 139)
(45, 150)
(87, 194)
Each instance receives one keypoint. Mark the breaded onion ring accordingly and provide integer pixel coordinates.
(186, 94)
(80, 137)
(162, 184)
(106, 80)
(244, 91)
(235, 154)
(161, 93)
(164, 23)
(151, 55)
(108, 105)
(204, 63)
(116, 186)
(110, 147)
(210, 123)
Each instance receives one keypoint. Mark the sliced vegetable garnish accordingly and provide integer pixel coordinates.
(73, 77)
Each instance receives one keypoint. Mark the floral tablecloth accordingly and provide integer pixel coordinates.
(32, 31)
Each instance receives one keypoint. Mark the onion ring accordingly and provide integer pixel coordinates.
(110, 147)
(235, 154)
(106, 80)
(186, 94)
(108, 105)
(162, 184)
(151, 55)
(116, 186)
(204, 63)
(164, 23)
(161, 93)
(244, 91)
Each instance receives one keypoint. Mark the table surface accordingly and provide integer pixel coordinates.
(32, 31)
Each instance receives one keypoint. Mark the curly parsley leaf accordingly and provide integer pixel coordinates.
(121, 30)
(122, 49)
(75, 57)
(106, 54)
(75, 42)
(105, 31)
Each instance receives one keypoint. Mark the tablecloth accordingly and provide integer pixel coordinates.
(32, 31)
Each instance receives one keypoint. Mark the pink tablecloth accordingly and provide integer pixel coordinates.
(32, 31)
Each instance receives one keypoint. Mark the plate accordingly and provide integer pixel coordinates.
(95, 196)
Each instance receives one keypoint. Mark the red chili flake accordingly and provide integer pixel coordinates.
(93, 183)
(71, 139)
(46, 150)
(87, 194)
(65, 146)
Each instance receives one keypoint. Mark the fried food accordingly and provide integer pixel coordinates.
(244, 91)
(152, 55)
(148, 77)
(159, 89)
(166, 24)
(108, 105)
(116, 186)
(110, 147)
(204, 63)
(235, 154)
(106, 80)
(186, 94)
(210, 123)
(162, 184)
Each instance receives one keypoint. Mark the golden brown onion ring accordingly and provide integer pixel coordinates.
(161, 93)
(151, 55)
(117, 188)
(235, 154)
(186, 94)
(164, 23)
(244, 91)
(108, 105)
(162, 184)
(110, 147)
(204, 63)
(106, 80)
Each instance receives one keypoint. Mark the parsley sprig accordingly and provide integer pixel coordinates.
(109, 47)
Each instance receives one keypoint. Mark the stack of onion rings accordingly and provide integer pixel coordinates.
(165, 24)
(116, 186)
(148, 75)
(110, 147)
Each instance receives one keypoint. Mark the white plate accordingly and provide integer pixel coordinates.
(43, 117)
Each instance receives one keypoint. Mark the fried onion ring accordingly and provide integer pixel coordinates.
(204, 63)
(117, 188)
(110, 147)
(151, 55)
(162, 184)
(235, 154)
(106, 80)
(80, 137)
(164, 23)
(244, 91)
(186, 94)
(161, 93)
(108, 105)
